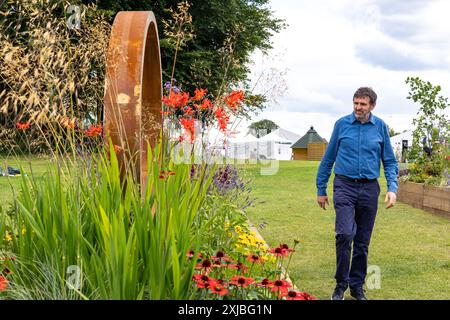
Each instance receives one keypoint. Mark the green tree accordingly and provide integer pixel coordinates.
(262, 127)
(432, 130)
(226, 32)
(392, 132)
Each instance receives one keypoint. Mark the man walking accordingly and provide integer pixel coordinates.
(359, 143)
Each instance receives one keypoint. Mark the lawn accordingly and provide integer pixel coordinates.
(36, 166)
(410, 247)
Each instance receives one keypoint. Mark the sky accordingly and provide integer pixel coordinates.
(332, 47)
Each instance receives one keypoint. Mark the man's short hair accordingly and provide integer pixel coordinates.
(366, 92)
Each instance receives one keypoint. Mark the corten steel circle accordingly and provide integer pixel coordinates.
(133, 93)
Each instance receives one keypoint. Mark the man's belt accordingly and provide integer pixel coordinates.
(355, 180)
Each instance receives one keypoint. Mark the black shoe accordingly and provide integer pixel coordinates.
(358, 293)
(338, 293)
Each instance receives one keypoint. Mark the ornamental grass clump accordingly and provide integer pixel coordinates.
(84, 234)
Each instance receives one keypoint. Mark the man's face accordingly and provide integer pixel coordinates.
(362, 108)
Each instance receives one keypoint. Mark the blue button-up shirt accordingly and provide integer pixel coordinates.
(358, 149)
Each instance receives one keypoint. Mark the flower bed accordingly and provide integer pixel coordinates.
(429, 198)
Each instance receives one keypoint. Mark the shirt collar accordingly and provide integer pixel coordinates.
(371, 118)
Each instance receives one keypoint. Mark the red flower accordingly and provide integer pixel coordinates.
(253, 258)
(117, 149)
(241, 281)
(189, 126)
(234, 100)
(205, 264)
(292, 295)
(307, 296)
(219, 289)
(199, 94)
(94, 131)
(265, 283)
(281, 251)
(23, 126)
(204, 282)
(188, 111)
(176, 100)
(206, 104)
(221, 256)
(280, 286)
(190, 254)
(222, 118)
(67, 123)
(3, 283)
(239, 266)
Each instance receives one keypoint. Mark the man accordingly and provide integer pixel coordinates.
(359, 143)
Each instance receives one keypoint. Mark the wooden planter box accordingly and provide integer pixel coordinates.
(432, 199)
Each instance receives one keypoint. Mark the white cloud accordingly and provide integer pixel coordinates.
(333, 47)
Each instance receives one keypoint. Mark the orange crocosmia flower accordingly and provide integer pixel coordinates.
(206, 104)
(3, 283)
(94, 130)
(222, 119)
(23, 126)
(172, 173)
(117, 149)
(189, 126)
(199, 94)
(234, 99)
(67, 123)
(176, 100)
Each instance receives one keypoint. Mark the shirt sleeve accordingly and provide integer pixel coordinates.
(390, 163)
(326, 165)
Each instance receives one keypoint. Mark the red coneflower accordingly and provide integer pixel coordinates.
(219, 289)
(292, 295)
(204, 265)
(307, 296)
(265, 283)
(238, 266)
(279, 252)
(241, 281)
(280, 286)
(253, 258)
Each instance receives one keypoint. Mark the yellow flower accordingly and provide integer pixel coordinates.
(24, 230)
(8, 237)
(238, 229)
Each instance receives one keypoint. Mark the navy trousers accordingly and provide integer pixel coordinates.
(356, 205)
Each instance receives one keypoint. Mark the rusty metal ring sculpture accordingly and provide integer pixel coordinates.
(133, 90)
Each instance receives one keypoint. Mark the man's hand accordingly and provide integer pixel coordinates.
(322, 201)
(391, 198)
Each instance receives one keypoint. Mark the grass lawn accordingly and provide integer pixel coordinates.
(38, 166)
(411, 247)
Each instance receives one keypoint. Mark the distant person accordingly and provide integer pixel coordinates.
(359, 143)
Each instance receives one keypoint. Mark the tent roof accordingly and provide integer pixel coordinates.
(309, 137)
(275, 136)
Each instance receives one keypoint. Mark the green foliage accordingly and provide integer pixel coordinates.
(262, 127)
(431, 135)
(226, 32)
(124, 246)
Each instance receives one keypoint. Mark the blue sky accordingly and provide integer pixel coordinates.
(332, 47)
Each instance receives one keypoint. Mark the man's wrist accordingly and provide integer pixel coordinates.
(321, 192)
